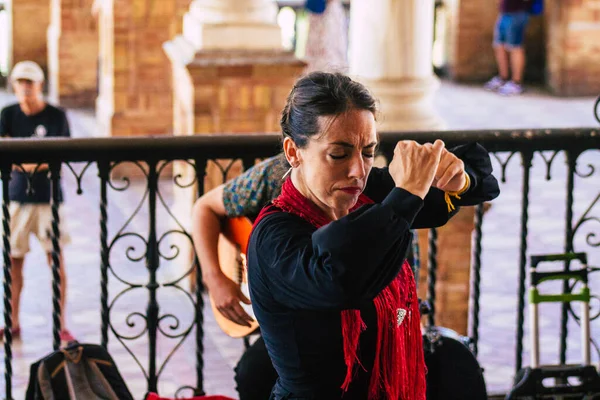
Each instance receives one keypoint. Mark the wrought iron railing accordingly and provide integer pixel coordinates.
(153, 157)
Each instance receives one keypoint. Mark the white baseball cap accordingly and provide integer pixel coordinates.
(27, 70)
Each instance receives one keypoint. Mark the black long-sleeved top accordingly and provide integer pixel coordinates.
(301, 277)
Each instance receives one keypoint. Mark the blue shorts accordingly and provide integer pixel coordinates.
(510, 29)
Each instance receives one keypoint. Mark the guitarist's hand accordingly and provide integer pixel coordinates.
(227, 296)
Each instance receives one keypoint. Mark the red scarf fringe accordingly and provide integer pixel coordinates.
(399, 367)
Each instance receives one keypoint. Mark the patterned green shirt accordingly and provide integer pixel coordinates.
(248, 193)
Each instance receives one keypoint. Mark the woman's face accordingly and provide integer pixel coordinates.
(332, 169)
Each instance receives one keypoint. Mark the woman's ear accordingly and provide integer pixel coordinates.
(291, 152)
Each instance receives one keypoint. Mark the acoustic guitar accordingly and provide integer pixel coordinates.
(233, 244)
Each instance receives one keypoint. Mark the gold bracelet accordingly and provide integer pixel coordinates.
(457, 194)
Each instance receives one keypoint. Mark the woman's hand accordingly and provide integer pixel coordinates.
(414, 166)
(450, 174)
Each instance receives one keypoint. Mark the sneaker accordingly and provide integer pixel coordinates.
(494, 84)
(16, 333)
(66, 337)
(510, 89)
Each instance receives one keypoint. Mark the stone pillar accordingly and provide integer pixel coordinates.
(72, 54)
(470, 36)
(391, 52)
(231, 24)
(573, 47)
(135, 89)
(30, 20)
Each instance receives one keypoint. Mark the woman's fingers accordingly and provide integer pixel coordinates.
(453, 170)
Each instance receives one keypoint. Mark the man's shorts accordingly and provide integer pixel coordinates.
(510, 29)
(36, 219)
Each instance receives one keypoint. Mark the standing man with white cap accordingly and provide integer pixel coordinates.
(30, 211)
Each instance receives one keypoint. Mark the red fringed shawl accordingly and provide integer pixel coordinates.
(399, 367)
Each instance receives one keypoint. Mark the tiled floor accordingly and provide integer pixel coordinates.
(462, 107)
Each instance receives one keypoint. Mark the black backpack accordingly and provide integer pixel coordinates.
(77, 372)
(453, 372)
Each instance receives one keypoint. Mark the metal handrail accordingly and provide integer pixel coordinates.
(246, 145)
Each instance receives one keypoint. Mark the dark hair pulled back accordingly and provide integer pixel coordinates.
(321, 94)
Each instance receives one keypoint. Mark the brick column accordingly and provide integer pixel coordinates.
(573, 47)
(30, 21)
(454, 270)
(135, 93)
(226, 91)
(72, 53)
(181, 8)
(229, 69)
(231, 76)
(470, 35)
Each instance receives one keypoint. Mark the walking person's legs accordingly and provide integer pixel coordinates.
(500, 53)
(20, 229)
(509, 37)
(36, 219)
(515, 39)
(502, 61)
(517, 63)
(16, 289)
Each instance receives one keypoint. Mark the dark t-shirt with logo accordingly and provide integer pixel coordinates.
(50, 122)
(511, 6)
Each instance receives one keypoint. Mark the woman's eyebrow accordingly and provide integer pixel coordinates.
(350, 145)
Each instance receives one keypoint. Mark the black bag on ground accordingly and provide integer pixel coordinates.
(453, 372)
(78, 372)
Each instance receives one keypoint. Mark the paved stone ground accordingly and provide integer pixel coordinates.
(462, 107)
